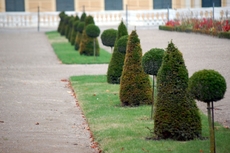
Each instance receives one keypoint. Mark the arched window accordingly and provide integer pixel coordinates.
(162, 4)
(15, 5)
(65, 5)
(113, 4)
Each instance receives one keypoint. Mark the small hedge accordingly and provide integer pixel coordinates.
(181, 29)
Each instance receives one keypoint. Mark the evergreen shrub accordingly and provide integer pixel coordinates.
(92, 30)
(207, 85)
(117, 61)
(122, 44)
(135, 86)
(108, 37)
(176, 114)
(151, 61)
(80, 28)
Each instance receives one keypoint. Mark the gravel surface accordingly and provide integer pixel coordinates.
(38, 113)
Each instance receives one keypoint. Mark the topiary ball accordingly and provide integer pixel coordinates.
(122, 43)
(151, 61)
(92, 30)
(207, 85)
(108, 37)
(80, 27)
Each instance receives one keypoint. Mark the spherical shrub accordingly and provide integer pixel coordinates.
(92, 30)
(207, 85)
(80, 27)
(151, 61)
(122, 44)
(108, 37)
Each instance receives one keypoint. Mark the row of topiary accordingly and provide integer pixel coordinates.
(81, 32)
(176, 114)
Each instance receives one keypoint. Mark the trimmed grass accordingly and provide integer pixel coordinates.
(68, 55)
(124, 129)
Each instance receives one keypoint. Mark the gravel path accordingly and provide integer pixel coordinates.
(38, 113)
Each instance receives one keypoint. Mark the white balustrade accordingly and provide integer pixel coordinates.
(113, 18)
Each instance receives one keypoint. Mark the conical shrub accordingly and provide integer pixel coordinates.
(74, 30)
(176, 114)
(71, 22)
(87, 43)
(117, 61)
(61, 16)
(135, 86)
(80, 28)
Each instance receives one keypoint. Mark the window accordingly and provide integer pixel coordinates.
(113, 5)
(209, 3)
(15, 5)
(65, 5)
(162, 4)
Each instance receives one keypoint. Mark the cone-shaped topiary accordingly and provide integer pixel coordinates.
(63, 26)
(79, 31)
(117, 61)
(80, 28)
(135, 86)
(176, 114)
(71, 22)
(207, 85)
(61, 16)
(92, 31)
(74, 31)
(108, 37)
(122, 44)
(67, 19)
(87, 43)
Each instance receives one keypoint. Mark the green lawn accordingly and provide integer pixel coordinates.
(68, 55)
(125, 129)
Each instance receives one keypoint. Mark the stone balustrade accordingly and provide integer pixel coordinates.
(113, 18)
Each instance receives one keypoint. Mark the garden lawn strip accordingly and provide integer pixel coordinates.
(125, 129)
(68, 55)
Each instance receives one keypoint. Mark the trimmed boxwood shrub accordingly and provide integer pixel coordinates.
(71, 22)
(87, 43)
(108, 37)
(176, 114)
(117, 61)
(74, 31)
(92, 30)
(64, 24)
(135, 86)
(207, 85)
(224, 35)
(79, 31)
(61, 16)
(80, 28)
(151, 61)
(122, 44)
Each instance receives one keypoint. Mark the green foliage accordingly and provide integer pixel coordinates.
(122, 44)
(74, 31)
(63, 25)
(135, 86)
(87, 43)
(108, 37)
(67, 55)
(176, 114)
(224, 35)
(83, 16)
(151, 61)
(207, 85)
(71, 22)
(61, 16)
(117, 61)
(92, 30)
(80, 28)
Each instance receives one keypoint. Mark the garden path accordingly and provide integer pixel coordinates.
(38, 113)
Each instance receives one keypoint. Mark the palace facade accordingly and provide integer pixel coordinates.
(101, 5)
